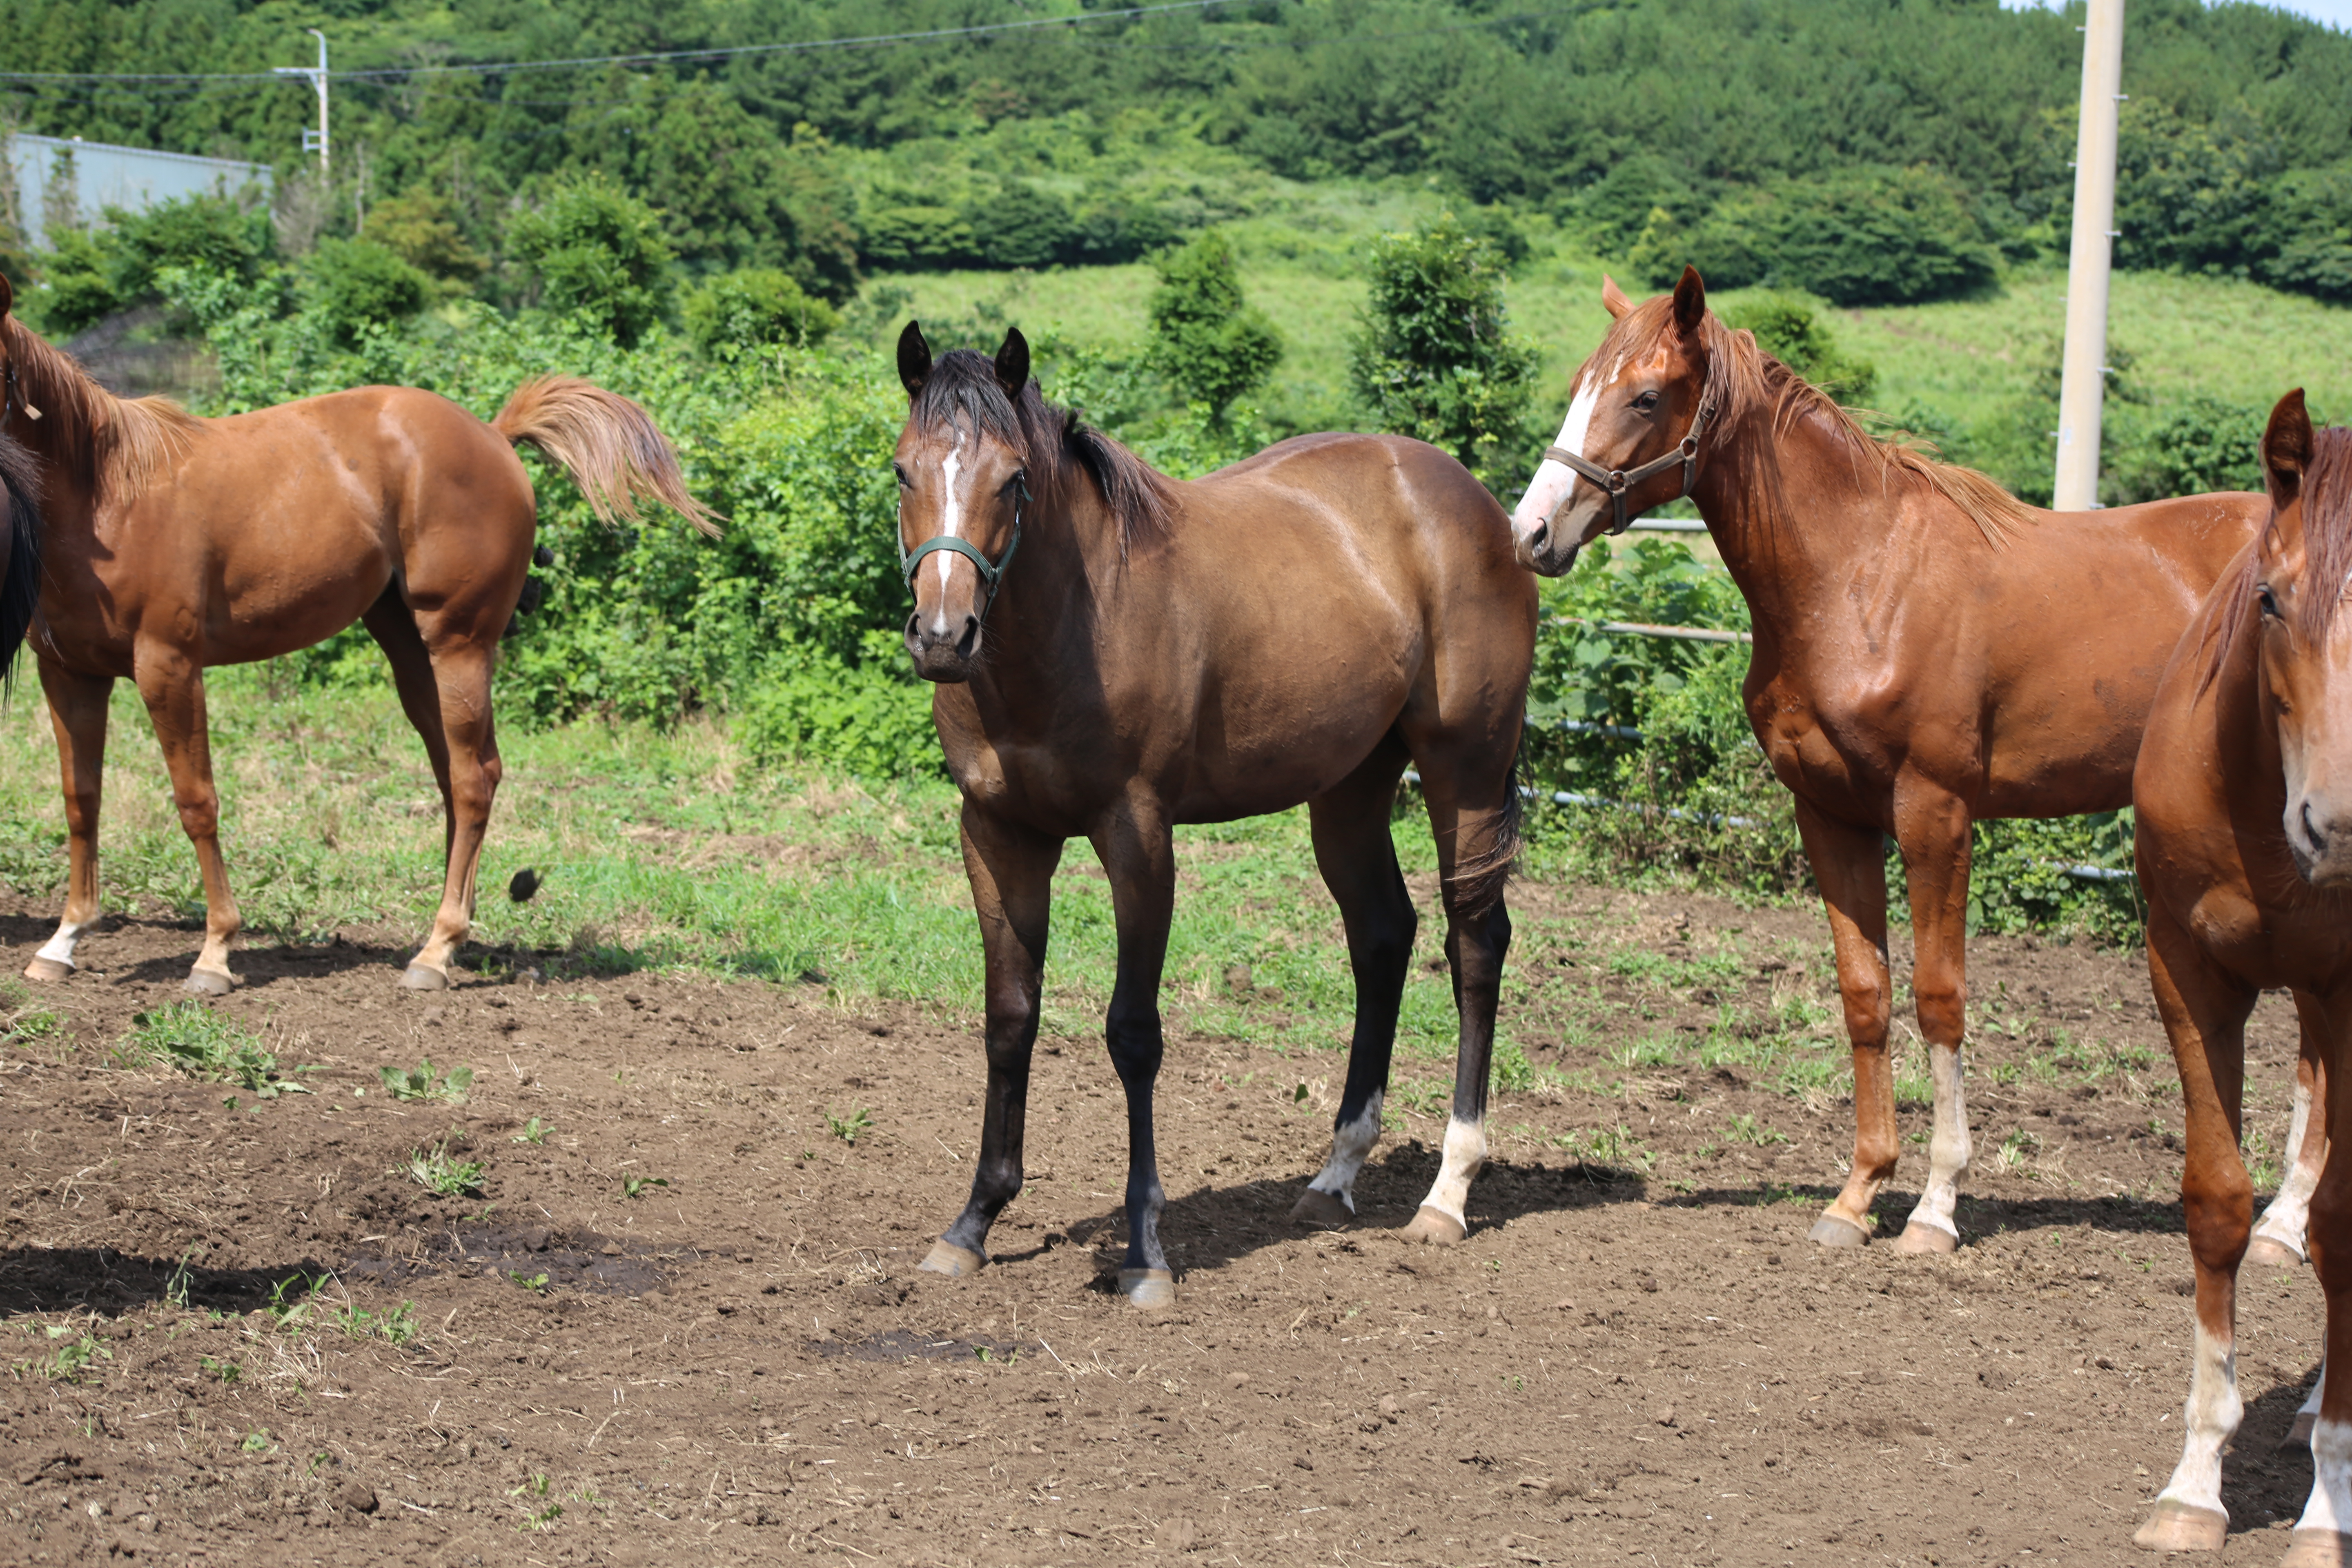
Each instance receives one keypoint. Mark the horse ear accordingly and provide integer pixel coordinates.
(1690, 301)
(1012, 363)
(2286, 448)
(1613, 298)
(914, 358)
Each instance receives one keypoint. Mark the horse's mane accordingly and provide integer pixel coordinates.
(2326, 554)
(1742, 380)
(1055, 444)
(117, 446)
(20, 586)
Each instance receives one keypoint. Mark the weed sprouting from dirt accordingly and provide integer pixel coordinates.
(69, 1362)
(534, 1131)
(227, 1371)
(436, 1169)
(1746, 1129)
(638, 1186)
(847, 1127)
(27, 1021)
(206, 1046)
(422, 1082)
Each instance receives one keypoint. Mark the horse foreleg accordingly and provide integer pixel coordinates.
(1933, 833)
(173, 685)
(1011, 874)
(2278, 1234)
(1850, 864)
(2204, 1010)
(1357, 860)
(461, 679)
(1138, 855)
(77, 713)
(2324, 1534)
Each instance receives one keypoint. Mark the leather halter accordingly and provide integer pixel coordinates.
(1617, 481)
(992, 573)
(12, 397)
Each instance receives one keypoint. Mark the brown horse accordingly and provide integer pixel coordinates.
(1296, 628)
(1929, 653)
(171, 543)
(2245, 857)
(20, 548)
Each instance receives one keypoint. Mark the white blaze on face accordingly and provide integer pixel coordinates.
(2330, 1508)
(950, 519)
(2210, 1417)
(1351, 1144)
(1550, 489)
(1466, 1155)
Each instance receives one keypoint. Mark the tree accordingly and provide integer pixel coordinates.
(741, 311)
(598, 254)
(356, 283)
(1434, 356)
(420, 228)
(1206, 339)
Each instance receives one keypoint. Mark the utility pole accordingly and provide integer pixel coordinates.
(2083, 387)
(314, 138)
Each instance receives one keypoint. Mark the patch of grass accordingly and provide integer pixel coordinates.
(1611, 1146)
(225, 1370)
(1746, 1129)
(208, 1045)
(534, 1283)
(70, 1361)
(436, 1169)
(25, 1021)
(858, 1121)
(422, 1082)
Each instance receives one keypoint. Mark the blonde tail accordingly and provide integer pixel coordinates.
(607, 443)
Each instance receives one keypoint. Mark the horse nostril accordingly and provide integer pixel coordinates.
(1542, 533)
(971, 639)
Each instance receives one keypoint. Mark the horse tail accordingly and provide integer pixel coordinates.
(607, 444)
(20, 578)
(1478, 880)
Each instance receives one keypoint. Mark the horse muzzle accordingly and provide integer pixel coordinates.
(2319, 837)
(943, 645)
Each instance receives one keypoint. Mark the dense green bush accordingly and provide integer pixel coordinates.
(739, 312)
(599, 255)
(1434, 356)
(91, 274)
(1206, 339)
(354, 284)
(1867, 236)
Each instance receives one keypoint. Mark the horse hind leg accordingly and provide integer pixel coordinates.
(1357, 860)
(173, 685)
(2278, 1233)
(1474, 815)
(461, 678)
(78, 706)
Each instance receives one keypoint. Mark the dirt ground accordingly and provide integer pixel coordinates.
(739, 1363)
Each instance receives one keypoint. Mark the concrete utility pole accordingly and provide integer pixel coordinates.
(2083, 387)
(317, 139)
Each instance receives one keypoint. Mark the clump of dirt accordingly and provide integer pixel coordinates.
(676, 1311)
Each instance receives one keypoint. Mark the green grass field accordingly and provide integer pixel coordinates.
(2220, 337)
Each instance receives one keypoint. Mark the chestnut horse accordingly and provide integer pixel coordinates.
(1929, 652)
(2245, 859)
(1118, 652)
(171, 543)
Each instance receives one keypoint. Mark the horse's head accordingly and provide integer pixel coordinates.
(2298, 586)
(1631, 441)
(962, 486)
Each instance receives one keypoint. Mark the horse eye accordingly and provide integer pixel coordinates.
(1647, 402)
(2269, 604)
(904, 482)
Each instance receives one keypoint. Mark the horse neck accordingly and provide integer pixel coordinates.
(1046, 612)
(1790, 510)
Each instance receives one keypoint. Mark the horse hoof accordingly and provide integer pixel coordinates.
(955, 1262)
(2274, 1254)
(417, 977)
(1831, 1231)
(1926, 1239)
(48, 971)
(2319, 1549)
(2175, 1526)
(1434, 1228)
(1326, 1209)
(2299, 1434)
(1148, 1286)
(207, 983)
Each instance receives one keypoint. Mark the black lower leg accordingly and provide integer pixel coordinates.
(1135, 1052)
(997, 1172)
(1474, 948)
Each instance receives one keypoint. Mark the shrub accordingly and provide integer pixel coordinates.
(738, 313)
(1868, 236)
(1434, 356)
(1787, 329)
(420, 228)
(597, 254)
(354, 284)
(1213, 347)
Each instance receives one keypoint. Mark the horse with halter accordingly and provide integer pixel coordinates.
(1929, 653)
(171, 543)
(1118, 652)
(2245, 858)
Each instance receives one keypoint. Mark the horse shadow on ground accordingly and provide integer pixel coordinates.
(2264, 1477)
(110, 1282)
(266, 962)
(1977, 1218)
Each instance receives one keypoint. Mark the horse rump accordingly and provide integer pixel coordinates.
(608, 444)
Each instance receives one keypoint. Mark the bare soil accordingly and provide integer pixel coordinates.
(740, 1363)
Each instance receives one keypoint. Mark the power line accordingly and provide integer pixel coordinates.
(870, 40)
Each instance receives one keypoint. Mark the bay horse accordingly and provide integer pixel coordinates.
(171, 543)
(1118, 652)
(20, 550)
(2244, 845)
(1929, 652)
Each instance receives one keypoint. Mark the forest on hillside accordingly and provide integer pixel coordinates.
(1866, 151)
